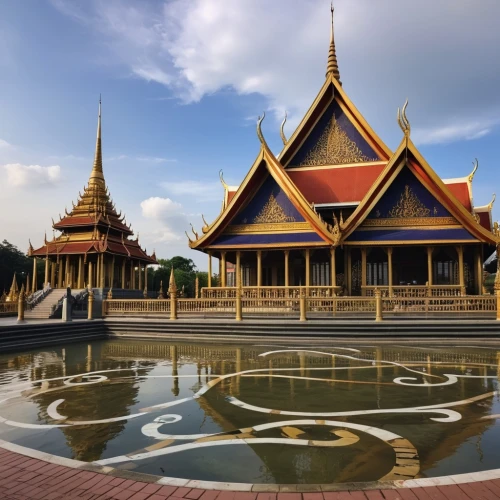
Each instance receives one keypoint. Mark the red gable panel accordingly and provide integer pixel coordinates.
(461, 192)
(484, 220)
(336, 185)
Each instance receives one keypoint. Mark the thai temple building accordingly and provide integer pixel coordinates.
(94, 247)
(338, 212)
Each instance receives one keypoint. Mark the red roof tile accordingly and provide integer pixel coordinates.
(336, 184)
(461, 192)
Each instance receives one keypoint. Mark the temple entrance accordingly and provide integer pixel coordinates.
(410, 266)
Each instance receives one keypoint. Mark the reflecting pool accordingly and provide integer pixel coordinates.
(263, 413)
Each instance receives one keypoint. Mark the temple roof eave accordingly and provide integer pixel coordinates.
(449, 201)
(337, 92)
(276, 170)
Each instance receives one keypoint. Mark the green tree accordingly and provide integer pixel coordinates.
(12, 260)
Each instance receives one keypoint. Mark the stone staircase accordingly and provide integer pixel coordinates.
(43, 309)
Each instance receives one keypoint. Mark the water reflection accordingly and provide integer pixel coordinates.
(258, 411)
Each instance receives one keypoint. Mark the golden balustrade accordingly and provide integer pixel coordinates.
(8, 308)
(472, 304)
(414, 291)
(270, 292)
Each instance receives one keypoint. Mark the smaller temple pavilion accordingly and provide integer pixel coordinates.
(95, 246)
(338, 212)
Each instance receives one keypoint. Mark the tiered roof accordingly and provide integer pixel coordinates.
(334, 159)
(94, 225)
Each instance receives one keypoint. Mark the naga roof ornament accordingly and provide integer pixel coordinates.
(476, 165)
(259, 129)
(403, 122)
(282, 130)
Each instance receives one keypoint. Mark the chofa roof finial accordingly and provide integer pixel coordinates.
(282, 130)
(259, 129)
(474, 170)
(403, 122)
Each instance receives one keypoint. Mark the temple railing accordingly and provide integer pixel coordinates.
(415, 291)
(472, 304)
(364, 307)
(270, 292)
(8, 308)
(119, 307)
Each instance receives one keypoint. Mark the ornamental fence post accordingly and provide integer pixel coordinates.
(90, 305)
(378, 305)
(497, 293)
(172, 290)
(303, 316)
(20, 305)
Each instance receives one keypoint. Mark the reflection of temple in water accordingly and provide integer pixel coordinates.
(225, 359)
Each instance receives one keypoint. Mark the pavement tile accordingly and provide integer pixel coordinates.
(169, 490)
(372, 494)
(181, 492)
(157, 497)
(391, 494)
(288, 496)
(477, 492)
(151, 488)
(138, 486)
(123, 494)
(210, 495)
(266, 496)
(453, 492)
(312, 496)
(407, 494)
(247, 495)
(139, 496)
(117, 481)
(194, 494)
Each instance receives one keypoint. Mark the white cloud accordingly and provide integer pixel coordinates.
(4, 144)
(451, 133)
(169, 216)
(154, 159)
(19, 175)
(69, 157)
(279, 49)
(195, 190)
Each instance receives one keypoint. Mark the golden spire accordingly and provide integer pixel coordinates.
(332, 66)
(97, 176)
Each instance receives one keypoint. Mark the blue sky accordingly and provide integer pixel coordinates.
(183, 82)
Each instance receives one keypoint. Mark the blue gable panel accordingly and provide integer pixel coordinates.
(412, 235)
(262, 239)
(345, 125)
(393, 196)
(259, 200)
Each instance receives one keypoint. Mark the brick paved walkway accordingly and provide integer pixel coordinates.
(22, 477)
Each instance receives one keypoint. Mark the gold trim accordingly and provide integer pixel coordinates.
(410, 221)
(430, 228)
(331, 167)
(272, 212)
(334, 147)
(271, 227)
(272, 245)
(409, 242)
(409, 206)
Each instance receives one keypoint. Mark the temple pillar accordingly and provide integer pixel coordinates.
(47, 262)
(223, 272)
(67, 274)
(33, 284)
(80, 272)
(103, 272)
(259, 268)
(145, 277)
(124, 263)
(91, 281)
(140, 274)
(133, 276)
(287, 271)
(389, 269)
(333, 275)
(131, 283)
(98, 271)
(209, 277)
(478, 270)
(429, 265)
(112, 273)
(461, 274)
(308, 270)
(60, 274)
(363, 271)
(237, 270)
(349, 271)
(53, 274)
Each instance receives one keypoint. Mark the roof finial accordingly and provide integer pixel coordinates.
(282, 130)
(476, 164)
(332, 67)
(259, 129)
(403, 122)
(96, 176)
